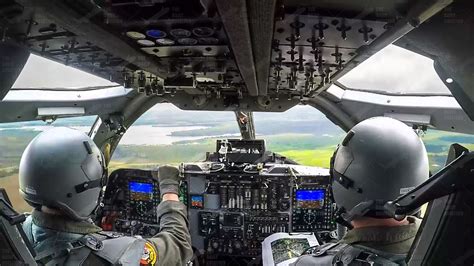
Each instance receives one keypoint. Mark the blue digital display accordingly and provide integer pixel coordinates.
(310, 199)
(310, 194)
(197, 201)
(141, 187)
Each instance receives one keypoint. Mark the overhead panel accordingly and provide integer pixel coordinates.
(153, 47)
(53, 30)
(317, 43)
(308, 49)
(237, 55)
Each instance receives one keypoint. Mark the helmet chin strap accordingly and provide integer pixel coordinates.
(358, 211)
(103, 183)
(104, 180)
(340, 220)
(362, 209)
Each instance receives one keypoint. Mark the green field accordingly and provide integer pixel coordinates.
(319, 157)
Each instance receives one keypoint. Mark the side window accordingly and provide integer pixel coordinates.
(437, 144)
(14, 137)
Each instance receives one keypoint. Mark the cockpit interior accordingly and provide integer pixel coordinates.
(244, 58)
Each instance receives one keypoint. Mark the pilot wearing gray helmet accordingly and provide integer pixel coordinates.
(62, 174)
(379, 159)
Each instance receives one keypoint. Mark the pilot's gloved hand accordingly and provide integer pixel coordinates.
(169, 179)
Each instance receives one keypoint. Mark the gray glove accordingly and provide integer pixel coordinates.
(169, 179)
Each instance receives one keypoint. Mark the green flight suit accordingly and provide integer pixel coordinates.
(171, 246)
(387, 245)
(395, 239)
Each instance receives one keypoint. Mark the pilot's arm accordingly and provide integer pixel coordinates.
(172, 245)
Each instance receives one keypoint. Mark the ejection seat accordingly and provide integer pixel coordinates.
(446, 235)
(15, 249)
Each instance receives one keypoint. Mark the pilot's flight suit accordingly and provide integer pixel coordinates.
(372, 245)
(58, 240)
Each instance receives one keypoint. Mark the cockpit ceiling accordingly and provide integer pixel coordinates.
(213, 49)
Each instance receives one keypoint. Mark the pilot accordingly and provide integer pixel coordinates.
(62, 175)
(379, 159)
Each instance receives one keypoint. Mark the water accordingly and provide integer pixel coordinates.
(153, 135)
(141, 134)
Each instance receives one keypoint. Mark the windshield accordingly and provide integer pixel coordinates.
(395, 70)
(302, 134)
(306, 136)
(166, 134)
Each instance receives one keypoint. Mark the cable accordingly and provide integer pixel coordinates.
(292, 173)
(222, 167)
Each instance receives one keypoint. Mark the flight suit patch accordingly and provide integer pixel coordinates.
(149, 256)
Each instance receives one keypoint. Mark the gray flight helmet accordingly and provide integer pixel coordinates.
(62, 168)
(379, 160)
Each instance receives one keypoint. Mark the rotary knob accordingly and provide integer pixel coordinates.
(284, 204)
(237, 244)
(141, 208)
(309, 218)
(215, 244)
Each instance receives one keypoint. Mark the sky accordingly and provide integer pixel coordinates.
(396, 70)
(40, 72)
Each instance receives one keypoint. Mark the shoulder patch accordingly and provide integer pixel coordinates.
(149, 256)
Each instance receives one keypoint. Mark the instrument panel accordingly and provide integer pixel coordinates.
(238, 208)
(233, 205)
(130, 201)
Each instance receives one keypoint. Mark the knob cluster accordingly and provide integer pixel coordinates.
(308, 49)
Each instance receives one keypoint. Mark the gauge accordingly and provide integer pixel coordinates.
(155, 34)
(203, 31)
(208, 40)
(165, 41)
(309, 217)
(141, 208)
(180, 33)
(146, 42)
(135, 35)
(187, 41)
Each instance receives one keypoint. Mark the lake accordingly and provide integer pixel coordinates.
(135, 135)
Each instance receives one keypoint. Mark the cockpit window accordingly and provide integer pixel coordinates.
(395, 70)
(42, 73)
(305, 135)
(45, 80)
(302, 134)
(14, 137)
(166, 134)
(437, 144)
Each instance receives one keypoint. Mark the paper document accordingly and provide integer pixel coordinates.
(281, 249)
